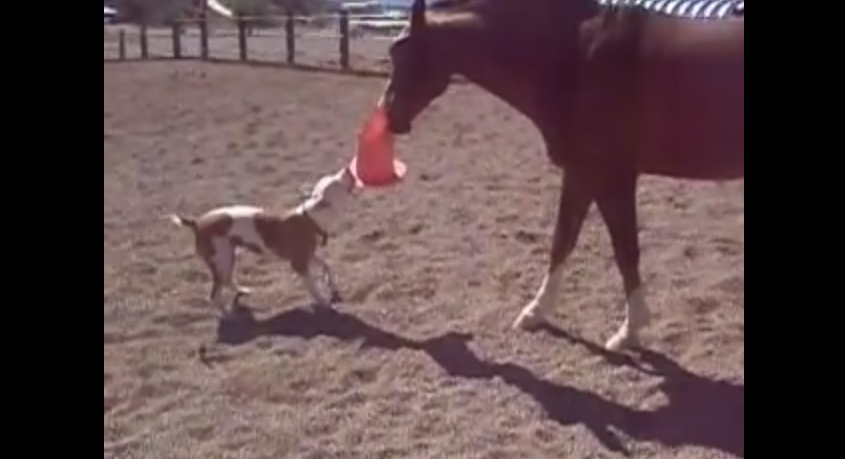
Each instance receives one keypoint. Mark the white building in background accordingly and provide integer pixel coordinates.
(374, 16)
(109, 15)
(372, 7)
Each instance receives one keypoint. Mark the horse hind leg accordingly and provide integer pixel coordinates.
(617, 202)
(574, 205)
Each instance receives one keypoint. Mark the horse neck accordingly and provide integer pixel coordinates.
(493, 55)
(521, 82)
(468, 54)
(518, 92)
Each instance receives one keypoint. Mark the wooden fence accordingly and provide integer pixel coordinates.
(334, 43)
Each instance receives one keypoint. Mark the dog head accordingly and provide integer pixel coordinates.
(329, 196)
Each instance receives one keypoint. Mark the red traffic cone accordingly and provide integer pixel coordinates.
(375, 164)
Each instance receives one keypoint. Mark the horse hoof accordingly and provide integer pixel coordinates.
(529, 322)
(244, 291)
(323, 306)
(623, 341)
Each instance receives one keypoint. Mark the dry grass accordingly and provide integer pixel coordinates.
(420, 363)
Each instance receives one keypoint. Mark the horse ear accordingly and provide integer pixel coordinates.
(418, 20)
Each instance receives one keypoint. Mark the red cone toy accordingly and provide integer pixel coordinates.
(375, 164)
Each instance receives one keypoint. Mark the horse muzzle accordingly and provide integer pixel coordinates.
(399, 126)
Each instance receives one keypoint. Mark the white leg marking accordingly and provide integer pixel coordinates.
(244, 291)
(310, 281)
(311, 285)
(216, 299)
(329, 277)
(223, 263)
(544, 302)
(638, 317)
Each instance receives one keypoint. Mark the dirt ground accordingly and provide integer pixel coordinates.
(421, 363)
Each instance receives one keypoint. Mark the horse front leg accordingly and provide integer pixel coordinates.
(617, 202)
(574, 205)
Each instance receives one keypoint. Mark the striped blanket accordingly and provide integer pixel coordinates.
(696, 9)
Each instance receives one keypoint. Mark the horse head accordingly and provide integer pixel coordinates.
(501, 45)
(421, 69)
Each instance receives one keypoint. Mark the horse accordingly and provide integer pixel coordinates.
(616, 91)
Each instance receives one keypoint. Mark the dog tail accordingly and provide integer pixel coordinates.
(184, 222)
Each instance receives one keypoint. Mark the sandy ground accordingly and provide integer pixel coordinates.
(420, 364)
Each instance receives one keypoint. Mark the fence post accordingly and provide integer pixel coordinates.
(290, 34)
(242, 38)
(145, 43)
(344, 40)
(204, 53)
(177, 39)
(121, 45)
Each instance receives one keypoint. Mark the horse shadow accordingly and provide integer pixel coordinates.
(701, 412)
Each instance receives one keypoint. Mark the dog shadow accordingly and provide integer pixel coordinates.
(700, 412)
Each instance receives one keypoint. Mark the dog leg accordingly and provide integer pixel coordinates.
(215, 295)
(305, 271)
(330, 279)
(311, 285)
(222, 265)
(239, 289)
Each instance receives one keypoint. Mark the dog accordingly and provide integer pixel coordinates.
(294, 236)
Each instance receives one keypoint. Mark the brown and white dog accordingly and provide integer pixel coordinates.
(294, 236)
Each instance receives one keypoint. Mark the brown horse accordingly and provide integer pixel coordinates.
(616, 92)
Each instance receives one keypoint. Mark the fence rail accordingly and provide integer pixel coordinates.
(342, 43)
